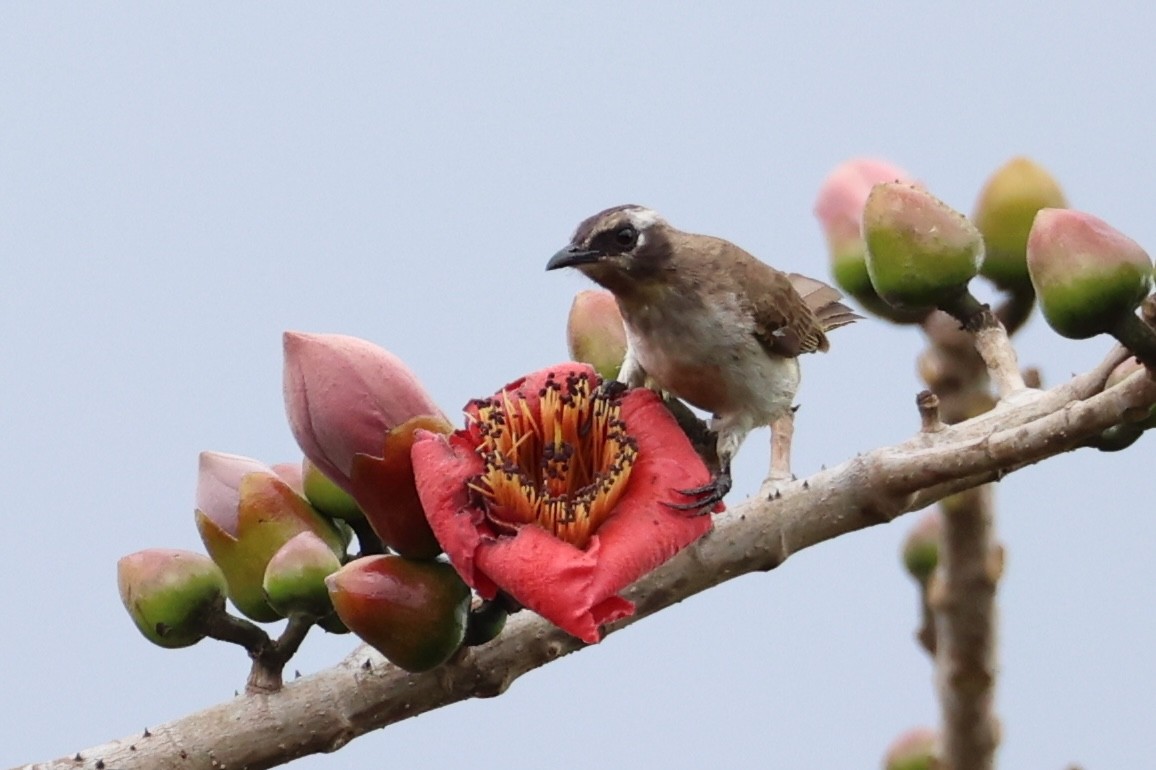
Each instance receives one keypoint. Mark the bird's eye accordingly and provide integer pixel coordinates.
(626, 237)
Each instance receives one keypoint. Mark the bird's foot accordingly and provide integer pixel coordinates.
(705, 497)
(612, 389)
(774, 486)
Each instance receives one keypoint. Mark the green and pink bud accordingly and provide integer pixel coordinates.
(413, 612)
(920, 252)
(295, 577)
(595, 333)
(1089, 277)
(170, 594)
(921, 547)
(245, 514)
(291, 474)
(353, 408)
(839, 209)
(1004, 213)
(326, 496)
(916, 749)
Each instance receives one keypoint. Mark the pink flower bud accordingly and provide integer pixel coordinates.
(293, 475)
(245, 513)
(839, 208)
(594, 332)
(343, 395)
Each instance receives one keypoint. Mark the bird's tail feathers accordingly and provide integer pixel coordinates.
(823, 300)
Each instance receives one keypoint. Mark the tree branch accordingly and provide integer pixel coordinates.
(323, 712)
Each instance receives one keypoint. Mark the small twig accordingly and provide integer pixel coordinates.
(991, 340)
(928, 405)
(368, 543)
(1016, 308)
(1138, 336)
(229, 628)
(269, 657)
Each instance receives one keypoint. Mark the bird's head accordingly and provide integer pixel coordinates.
(624, 248)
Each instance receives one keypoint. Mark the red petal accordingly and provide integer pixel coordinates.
(442, 467)
(644, 532)
(554, 579)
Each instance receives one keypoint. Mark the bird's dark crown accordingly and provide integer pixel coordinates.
(605, 224)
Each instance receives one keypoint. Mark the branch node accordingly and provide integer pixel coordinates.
(928, 405)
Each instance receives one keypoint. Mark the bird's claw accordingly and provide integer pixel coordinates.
(612, 388)
(706, 497)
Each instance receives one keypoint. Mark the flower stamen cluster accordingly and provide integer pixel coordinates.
(563, 467)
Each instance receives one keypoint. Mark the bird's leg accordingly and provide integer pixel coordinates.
(631, 371)
(782, 431)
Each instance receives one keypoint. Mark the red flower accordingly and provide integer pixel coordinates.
(554, 493)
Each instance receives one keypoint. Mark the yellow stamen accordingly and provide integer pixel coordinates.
(563, 466)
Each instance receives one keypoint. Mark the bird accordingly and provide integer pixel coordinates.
(710, 324)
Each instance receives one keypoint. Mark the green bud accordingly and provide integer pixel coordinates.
(295, 577)
(839, 209)
(1089, 276)
(921, 548)
(1004, 213)
(326, 496)
(170, 593)
(916, 749)
(920, 251)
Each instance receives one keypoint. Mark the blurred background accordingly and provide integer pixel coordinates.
(179, 184)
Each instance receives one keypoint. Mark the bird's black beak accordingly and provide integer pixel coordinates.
(572, 256)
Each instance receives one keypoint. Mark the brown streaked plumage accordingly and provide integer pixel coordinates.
(709, 323)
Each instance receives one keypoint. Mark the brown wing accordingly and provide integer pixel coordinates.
(785, 325)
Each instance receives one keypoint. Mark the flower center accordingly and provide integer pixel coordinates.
(562, 465)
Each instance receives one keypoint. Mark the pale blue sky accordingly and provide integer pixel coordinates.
(179, 184)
